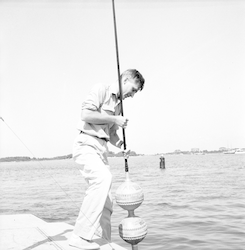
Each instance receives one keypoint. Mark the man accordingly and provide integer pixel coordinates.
(100, 120)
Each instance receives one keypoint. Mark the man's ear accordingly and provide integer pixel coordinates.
(125, 80)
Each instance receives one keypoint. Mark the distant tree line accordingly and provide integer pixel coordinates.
(27, 158)
(120, 154)
(16, 158)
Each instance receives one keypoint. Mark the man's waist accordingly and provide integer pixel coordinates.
(97, 137)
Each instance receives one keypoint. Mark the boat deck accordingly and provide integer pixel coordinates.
(28, 232)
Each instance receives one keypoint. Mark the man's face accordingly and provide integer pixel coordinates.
(130, 88)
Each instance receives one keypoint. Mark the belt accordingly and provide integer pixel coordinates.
(105, 139)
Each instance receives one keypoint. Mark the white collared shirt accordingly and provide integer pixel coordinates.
(102, 98)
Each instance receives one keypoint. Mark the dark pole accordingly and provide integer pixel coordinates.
(119, 81)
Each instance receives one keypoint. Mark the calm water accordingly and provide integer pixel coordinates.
(197, 202)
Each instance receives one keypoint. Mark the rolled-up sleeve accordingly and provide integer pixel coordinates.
(95, 98)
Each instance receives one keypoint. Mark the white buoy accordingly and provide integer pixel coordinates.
(129, 196)
(133, 230)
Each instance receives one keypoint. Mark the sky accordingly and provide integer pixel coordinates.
(191, 54)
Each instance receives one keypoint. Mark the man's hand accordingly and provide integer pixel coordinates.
(126, 154)
(121, 121)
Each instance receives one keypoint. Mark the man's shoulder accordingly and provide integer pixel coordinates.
(105, 87)
(101, 86)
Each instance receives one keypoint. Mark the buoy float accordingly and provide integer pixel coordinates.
(129, 196)
(133, 230)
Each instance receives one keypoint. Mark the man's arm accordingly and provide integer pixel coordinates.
(90, 109)
(95, 117)
(114, 138)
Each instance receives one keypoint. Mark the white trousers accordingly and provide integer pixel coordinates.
(95, 214)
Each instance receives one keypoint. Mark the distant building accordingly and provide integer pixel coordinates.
(177, 151)
(222, 149)
(195, 150)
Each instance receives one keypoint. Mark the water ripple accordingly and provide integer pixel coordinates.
(197, 202)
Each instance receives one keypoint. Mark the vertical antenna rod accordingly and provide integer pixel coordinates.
(119, 81)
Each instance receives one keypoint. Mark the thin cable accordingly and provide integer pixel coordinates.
(38, 161)
(96, 230)
(18, 137)
(119, 81)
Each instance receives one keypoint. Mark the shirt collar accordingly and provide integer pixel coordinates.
(114, 89)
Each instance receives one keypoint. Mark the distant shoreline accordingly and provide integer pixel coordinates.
(112, 154)
(120, 154)
(64, 157)
(27, 158)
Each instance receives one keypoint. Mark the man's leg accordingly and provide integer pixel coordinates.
(99, 179)
(105, 221)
